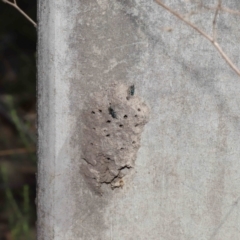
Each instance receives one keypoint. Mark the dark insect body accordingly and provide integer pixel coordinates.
(132, 90)
(112, 112)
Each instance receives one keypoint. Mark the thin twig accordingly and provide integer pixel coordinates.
(223, 9)
(214, 30)
(16, 151)
(204, 34)
(14, 4)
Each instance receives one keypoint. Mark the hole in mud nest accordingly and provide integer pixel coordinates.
(125, 116)
(139, 109)
(121, 148)
(93, 112)
(136, 116)
(91, 144)
(108, 158)
(94, 128)
(120, 125)
(108, 121)
(108, 135)
(136, 125)
(133, 142)
(100, 110)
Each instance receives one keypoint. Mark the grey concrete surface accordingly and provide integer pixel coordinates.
(185, 183)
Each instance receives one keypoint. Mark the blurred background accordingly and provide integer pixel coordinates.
(17, 122)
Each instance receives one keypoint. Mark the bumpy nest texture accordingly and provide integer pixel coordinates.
(113, 122)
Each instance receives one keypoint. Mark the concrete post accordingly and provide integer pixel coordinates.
(181, 178)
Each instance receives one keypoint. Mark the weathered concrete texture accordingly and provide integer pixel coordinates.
(185, 181)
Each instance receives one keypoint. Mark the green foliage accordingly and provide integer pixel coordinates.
(17, 100)
(19, 214)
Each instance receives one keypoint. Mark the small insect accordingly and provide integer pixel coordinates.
(132, 90)
(112, 112)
